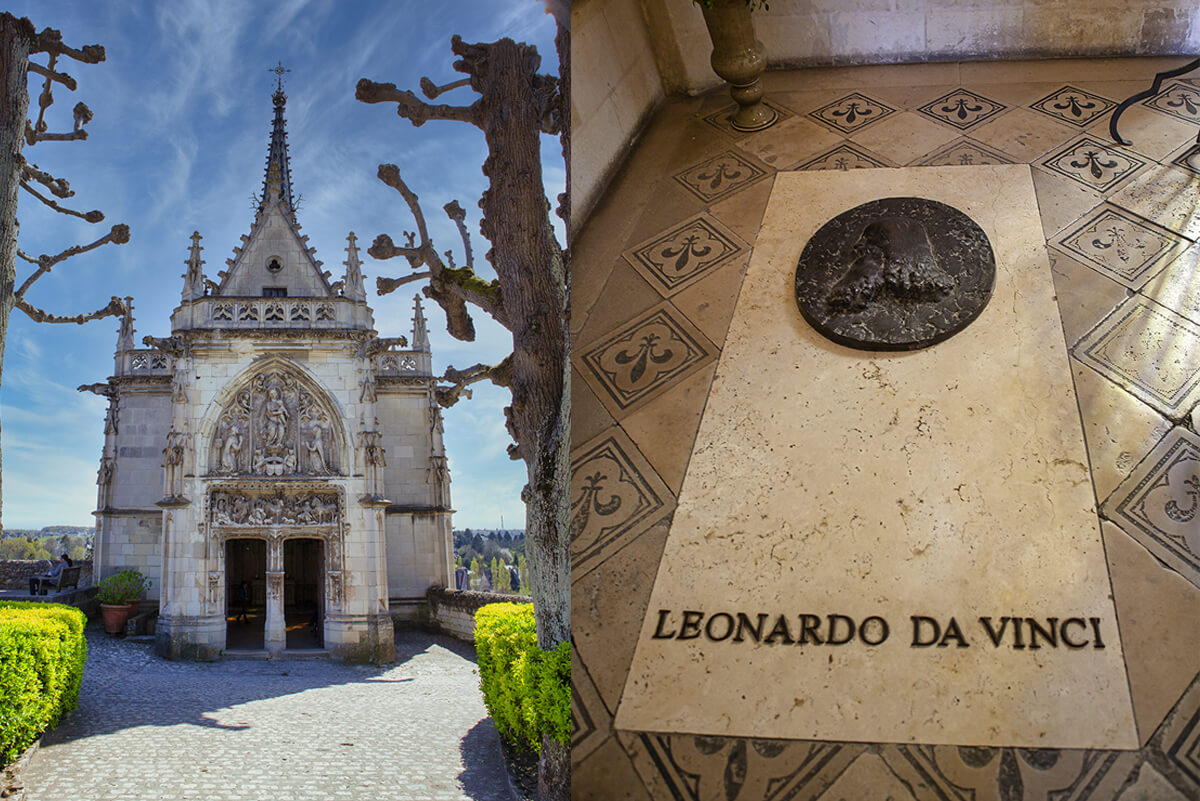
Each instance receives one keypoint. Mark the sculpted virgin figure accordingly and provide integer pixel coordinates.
(277, 416)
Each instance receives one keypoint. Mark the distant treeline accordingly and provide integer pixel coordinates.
(46, 543)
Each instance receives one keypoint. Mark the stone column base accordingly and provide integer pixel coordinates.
(361, 638)
(200, 639)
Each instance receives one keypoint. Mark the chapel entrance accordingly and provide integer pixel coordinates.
(245, 607)
(303, 593)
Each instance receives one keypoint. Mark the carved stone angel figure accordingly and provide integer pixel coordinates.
(230, 450)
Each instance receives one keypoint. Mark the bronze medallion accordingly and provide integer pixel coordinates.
(900, 273)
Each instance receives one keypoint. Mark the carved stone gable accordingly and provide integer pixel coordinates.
(276, 427)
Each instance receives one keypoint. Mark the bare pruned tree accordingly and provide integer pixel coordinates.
(514, 106)
(19, 41)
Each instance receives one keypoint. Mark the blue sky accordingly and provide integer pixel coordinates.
(182, 116)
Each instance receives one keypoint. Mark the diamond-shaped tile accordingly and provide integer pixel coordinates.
(720, 176)
(846, 156)
(1189, 159)
(964, 152)
(591, 723)
(851, 113)
(962, 109)
(695, 768)
(686, 252)
(639, 359)
(1093, 163)
(615, 497)
(1150, 351)
(720, 119)
(1074, 106)
(1159, 504)
(1179, 100)
(1121, 246)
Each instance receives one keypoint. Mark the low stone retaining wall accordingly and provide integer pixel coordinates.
(453, 611)
(15, 573)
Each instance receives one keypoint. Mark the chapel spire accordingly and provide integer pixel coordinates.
(277, 183)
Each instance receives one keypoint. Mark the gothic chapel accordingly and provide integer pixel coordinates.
(274, 452)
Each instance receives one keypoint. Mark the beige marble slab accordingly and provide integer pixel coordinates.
(946, 482)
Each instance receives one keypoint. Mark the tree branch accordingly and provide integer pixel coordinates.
(114, 308)
(384, 286)
(59, 187)
(432, 90)
(119, 235)
(50, 41)
(50, 75)
(500, 375)
(35, 134)
(93, 216)
(409, 106)
(455, 212)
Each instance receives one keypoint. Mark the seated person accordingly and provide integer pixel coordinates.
(56, 569)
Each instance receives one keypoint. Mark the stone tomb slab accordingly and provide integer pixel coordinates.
(937, 501)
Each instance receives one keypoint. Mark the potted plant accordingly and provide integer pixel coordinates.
(118, 596)
(738, 58)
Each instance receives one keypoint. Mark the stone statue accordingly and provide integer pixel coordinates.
(230, 451)
(315, 449)
(260, 462)
(289, 462)
(277, 417)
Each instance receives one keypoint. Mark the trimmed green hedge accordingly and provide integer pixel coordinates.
(42, 652)
(526, 690)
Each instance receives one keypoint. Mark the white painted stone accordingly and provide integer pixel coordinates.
(945, 482)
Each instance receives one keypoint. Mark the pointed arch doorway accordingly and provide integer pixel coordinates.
(245, 591)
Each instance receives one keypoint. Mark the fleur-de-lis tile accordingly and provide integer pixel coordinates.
(1179, 100)
(846, 156)
(964, 152)
(851, 113)
(962, 109)
(640, 358)
(615, 496)
(1159, 504)
(720, 176)
(686, 252)
(1149, 351)
(1121, 246)
(1074, 106)
(1093, 163)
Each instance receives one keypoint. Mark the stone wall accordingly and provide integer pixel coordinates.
(454, 610)
(15, 573)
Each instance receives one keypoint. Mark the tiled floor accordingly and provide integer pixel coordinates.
(658, 270)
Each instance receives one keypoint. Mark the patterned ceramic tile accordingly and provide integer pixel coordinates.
(963, 152)
(965, 773)
(1149, 351)
(615, 496)
(637, 360)
(846, 156)
(1179, 741)
(686, 252)
(962, 109)
(1074, 106)
(851, 113)
(1188, 159)
(720, 176)
(1178, 100)
(1121, 246)
(720, 119)
(1093, 163)
(1159, 504)
(694, 768)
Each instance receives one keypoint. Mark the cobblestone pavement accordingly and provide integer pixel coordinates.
(147, 728)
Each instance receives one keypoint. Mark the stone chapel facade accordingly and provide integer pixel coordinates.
(275, 438)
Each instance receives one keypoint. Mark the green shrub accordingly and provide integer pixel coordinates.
(124, 586)
(526, 690)
(42, 653)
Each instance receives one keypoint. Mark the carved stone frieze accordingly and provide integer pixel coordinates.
(276, 427)
(229, 507)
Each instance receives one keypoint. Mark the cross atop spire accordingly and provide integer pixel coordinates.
(279, 70)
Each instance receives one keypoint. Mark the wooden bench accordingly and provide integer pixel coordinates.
(67, 579)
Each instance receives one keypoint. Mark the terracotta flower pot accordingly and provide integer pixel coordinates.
(114, 616)
(739, 59)
(133, 606)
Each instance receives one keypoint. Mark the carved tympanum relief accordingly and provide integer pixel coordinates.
(276, 427)
(312, 508)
